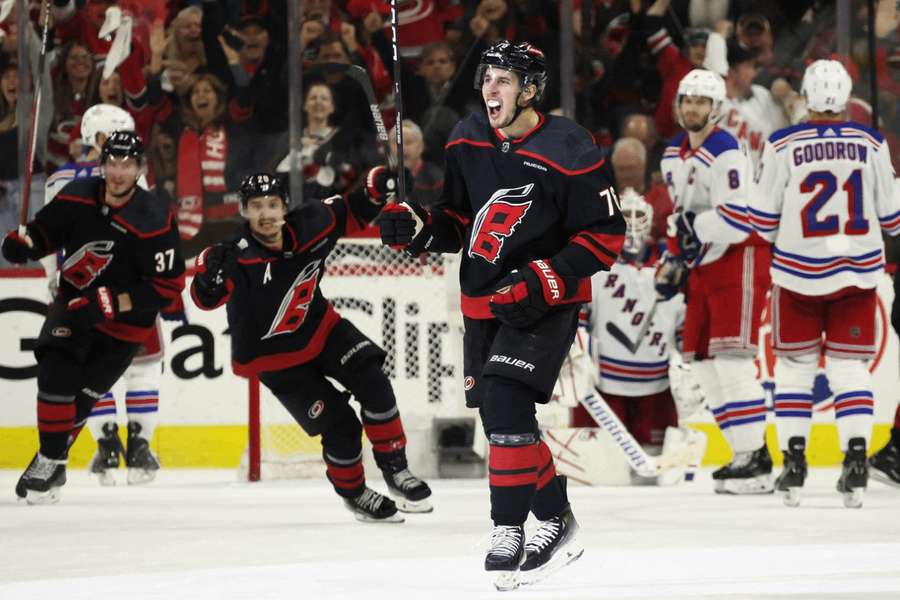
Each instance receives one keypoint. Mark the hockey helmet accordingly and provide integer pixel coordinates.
(262, 184)
(638, 216)
(705, 84)
(524, 59)
(123, 144)
(826, 86)
(105, 119)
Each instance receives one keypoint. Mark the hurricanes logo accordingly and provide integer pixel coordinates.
(85, 265)
(497, 220)
(292, 311)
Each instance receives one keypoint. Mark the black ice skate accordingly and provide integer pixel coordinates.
(748, 473)
(106, 460)
(552, 547)
(42, 480)
(791, 480)
(142, 464)
(408, 491)
(854, 474)
(507, 548)
(884, 465)
(372, 507)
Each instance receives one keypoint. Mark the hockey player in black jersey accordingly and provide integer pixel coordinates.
(286, 332)
(528, 201)
(123, 264)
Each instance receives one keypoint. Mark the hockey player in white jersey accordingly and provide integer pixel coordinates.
(824, 189)
(710, 234)
(142, 377)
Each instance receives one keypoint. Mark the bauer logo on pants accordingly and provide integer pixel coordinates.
(512, 361)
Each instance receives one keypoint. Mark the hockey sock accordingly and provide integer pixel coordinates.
(705, 373)
(385, 433)
(744, 412)
(142, 397)
(549, 498)
(794, 376)
(853, 401)
(56, 419)
(104, 412)
(345, 474)
(513, 476)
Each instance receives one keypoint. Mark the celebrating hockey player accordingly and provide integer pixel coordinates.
(707, 176)
(286, 332)
(143, 375)
(824, 189)
(123, 265)
(527, 200)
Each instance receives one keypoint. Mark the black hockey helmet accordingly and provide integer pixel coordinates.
(524, 59)
(123, 144)
(262, 184)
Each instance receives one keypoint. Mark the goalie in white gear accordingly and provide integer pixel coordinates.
(726, 267)
(824, 189)
(142, 377)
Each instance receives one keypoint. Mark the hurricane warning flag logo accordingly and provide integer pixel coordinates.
(497, 220)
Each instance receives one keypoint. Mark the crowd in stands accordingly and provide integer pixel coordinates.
(208, 82)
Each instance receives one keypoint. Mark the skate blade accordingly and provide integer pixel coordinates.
(35, 498)
(883, 477)
(105, 478)
(412, 506)
(140, 476)
(506, 581)
(853, 498)
(791, 496)
(394, 518)
(761, 484)
(561, 559)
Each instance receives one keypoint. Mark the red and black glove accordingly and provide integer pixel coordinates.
(381, 182)
(92, 308)
(18, 249)
(211, 282)
(525, 295)
(406, 226)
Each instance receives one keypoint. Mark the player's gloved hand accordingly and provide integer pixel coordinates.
(525, 295)
(19, 249)
(406, 226)
(681, 228)
(670, 276)
(381, 183)
(211, 281)
(92, 308)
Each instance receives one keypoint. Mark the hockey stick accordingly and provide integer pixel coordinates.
(620, 336)
(640, 461)
(398, 99)
(33, 131)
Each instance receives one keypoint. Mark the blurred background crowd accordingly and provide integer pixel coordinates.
(209, 83)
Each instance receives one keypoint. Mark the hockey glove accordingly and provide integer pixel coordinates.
(670, 276)
(92, 308)
(210, 282)
(381, 182)
(20, 249)
(406, 226)
(525, 295)
(681, 228)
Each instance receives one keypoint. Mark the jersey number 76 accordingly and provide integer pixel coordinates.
(823, 185)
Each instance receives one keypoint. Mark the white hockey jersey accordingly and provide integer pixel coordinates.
(623, 298)
(823, 190)
(711, 182)
(752, 120)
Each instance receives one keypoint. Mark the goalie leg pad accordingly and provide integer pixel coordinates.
(853, 401)
(794, 378)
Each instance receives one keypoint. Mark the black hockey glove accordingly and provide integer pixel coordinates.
(670, 276)
(525, 295)
(18, 249)
(406, 226)
(92, 308)
(681, 228)
(381, 182)
(211, 282)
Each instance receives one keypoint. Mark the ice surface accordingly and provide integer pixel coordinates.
(201, 535)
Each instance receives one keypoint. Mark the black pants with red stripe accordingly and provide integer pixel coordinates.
(354, 361)
(75, 368)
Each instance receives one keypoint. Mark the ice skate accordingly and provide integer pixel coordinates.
(854, 474)
(553, 546)
(42, 480)
(884, 465)
(106, 460)
(748, 473)
(790, 481)
(410, 494)
(504, 556)
(142, 464)
(372, 507)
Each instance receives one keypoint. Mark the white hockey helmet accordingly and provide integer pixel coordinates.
(705, 84)
(826, 86)
(638, 215)
(105, 119)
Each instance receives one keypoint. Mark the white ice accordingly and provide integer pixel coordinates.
(200, 535)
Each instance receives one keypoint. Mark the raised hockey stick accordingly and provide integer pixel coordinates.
(398, 99)
(623, 339)
(644, 464)
(33, 126)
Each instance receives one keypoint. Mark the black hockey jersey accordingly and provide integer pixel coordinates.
(131, 249)
(277, 314)
(507, 202)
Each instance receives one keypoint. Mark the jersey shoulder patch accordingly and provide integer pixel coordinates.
(720, 141)
(473, 130)
(309, 224)
(564, 145)
(854, 128)
(145, 215)
(85, 190)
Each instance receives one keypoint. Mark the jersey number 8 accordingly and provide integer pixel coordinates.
(823, 184)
